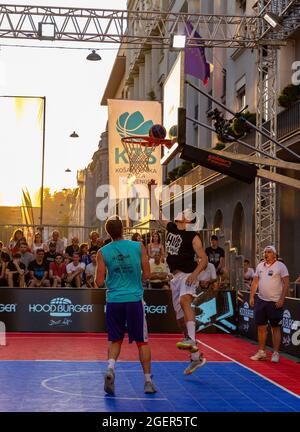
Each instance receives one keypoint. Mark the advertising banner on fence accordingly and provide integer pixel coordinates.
(128, 118)
(290, 324)
(83, 310)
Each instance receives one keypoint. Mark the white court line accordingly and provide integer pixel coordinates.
(45, 382)
(251, 370)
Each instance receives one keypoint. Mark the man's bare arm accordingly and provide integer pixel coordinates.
(100, 270)
(145, 264)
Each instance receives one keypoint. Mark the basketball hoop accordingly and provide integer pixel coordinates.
(139, 149)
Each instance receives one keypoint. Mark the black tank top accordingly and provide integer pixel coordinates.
(179, 246)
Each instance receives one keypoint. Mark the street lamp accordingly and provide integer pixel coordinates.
(68, 170)
(74, 135)
(93, 56)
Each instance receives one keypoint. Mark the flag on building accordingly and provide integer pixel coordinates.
(195, 63)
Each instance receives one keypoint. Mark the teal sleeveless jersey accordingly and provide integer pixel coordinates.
(124, 271)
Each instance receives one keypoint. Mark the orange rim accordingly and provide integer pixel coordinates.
(148, 141)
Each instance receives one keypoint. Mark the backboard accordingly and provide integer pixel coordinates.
(173, 100)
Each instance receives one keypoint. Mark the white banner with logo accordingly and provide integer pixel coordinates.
(129, 118)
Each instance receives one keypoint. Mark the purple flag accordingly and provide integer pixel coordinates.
(195, 63)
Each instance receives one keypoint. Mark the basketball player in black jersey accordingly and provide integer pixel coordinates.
(181, 247)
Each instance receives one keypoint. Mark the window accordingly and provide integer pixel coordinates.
(240, 88)
(224, 82)
(241, 97)
(196, 115)
(242, 5)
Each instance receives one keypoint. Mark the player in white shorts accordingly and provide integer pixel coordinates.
(181, 247)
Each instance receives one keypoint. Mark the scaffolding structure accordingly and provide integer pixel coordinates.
(153, 28)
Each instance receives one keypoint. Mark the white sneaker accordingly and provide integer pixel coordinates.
(275, 357)
(260, 355)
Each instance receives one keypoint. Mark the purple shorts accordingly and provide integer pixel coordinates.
(130, 317)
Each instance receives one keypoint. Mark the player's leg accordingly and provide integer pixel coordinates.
(138, 332)
(115, 322)
(261, 320)
(275, 318)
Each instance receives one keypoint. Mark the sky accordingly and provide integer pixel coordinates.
(73, 88)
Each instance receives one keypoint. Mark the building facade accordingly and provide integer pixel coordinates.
(229, 204)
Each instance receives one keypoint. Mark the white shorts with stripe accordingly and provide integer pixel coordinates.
(180, 288)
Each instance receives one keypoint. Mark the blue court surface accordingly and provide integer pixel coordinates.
(63, 386)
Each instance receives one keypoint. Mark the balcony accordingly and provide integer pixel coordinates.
(288, 123)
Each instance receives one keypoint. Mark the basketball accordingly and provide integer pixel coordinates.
(173, 132)
(157, 131)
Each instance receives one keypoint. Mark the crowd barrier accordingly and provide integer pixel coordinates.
(83, 310)
(290, 324)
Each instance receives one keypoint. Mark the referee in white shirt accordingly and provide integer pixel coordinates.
(272, 281)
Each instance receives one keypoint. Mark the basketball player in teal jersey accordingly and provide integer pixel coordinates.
(125, 263)
(182, 246)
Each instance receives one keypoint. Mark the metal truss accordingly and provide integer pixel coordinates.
(131, 27)
(266, 232)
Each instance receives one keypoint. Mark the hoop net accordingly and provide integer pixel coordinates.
(139, 149)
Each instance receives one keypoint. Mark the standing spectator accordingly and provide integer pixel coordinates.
(74, 271)
(73, 247)
(15, 272)
(155, 246)
(216, 255)
(38, 243)
(38, 270)
(94, 236)
(90, 271)
(60, 246)
(124, 263)
(272, 281)
(159, 272)
(137, 237)
(248, 275)
(3, 267)
(51, 254)
(58, 271)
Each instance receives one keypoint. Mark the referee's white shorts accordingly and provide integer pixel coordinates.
(179, 288)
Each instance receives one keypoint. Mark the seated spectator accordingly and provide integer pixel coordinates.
(248, 275)
(73, 247)
(159, 273)
(90, 271)
(15, 272)
(155, 246)
(58, 271)
(26, 258)
(38, 243)
(3, 252)
(207, 278)
(3, 267)
(216, 255)
(94, 245)
(100, 243)
(60, 246)
(84, 254)
(16, 239)
(67, 259)
(39, 271)
(51, 254)
(74, 271)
